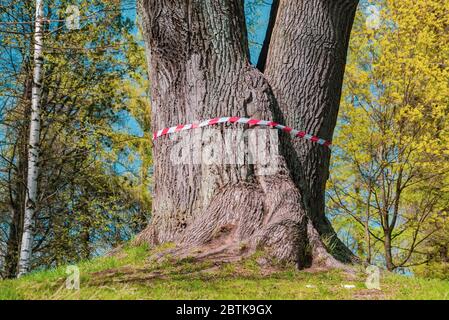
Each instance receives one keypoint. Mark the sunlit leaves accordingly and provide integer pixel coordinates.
(392, 166)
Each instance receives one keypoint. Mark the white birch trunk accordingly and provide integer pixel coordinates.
(33, 148)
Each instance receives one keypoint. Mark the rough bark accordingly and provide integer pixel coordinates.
(199, 68)
(33, 148)
(305, 67)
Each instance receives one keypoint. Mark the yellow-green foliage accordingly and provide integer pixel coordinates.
(392, 168)
(94, 179)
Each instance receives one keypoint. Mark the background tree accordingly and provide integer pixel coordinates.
(33, 145)
(389, 178)
(93, 186)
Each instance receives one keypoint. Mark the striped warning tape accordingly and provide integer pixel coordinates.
(251, 122)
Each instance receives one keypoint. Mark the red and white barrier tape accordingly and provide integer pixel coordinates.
(252, 122)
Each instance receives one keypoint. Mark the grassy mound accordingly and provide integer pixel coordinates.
(131, 275)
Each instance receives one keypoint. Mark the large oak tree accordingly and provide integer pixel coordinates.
(198, 59)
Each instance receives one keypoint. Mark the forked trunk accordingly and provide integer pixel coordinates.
(210, 196)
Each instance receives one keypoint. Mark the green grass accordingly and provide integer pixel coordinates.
(131, 275)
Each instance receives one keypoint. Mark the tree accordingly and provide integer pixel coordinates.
(33, 148)
(197, 54)
(15, 82)
(93, 186)
(390, 180)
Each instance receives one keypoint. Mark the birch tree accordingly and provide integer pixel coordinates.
(33, 147)
(93, 190)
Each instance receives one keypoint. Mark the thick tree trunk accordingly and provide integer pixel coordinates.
(198, 64)
(305, 67)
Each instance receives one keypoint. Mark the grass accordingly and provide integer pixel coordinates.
(131, 275)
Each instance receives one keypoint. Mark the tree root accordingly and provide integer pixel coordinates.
(242, 220)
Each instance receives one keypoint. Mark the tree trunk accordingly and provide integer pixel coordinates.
(17, 198)
(33, 148)
(305, 67)
(367, 226)
(13, 243)
(388, 256)
(199, 68)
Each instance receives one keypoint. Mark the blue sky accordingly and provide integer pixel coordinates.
(260, 17)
